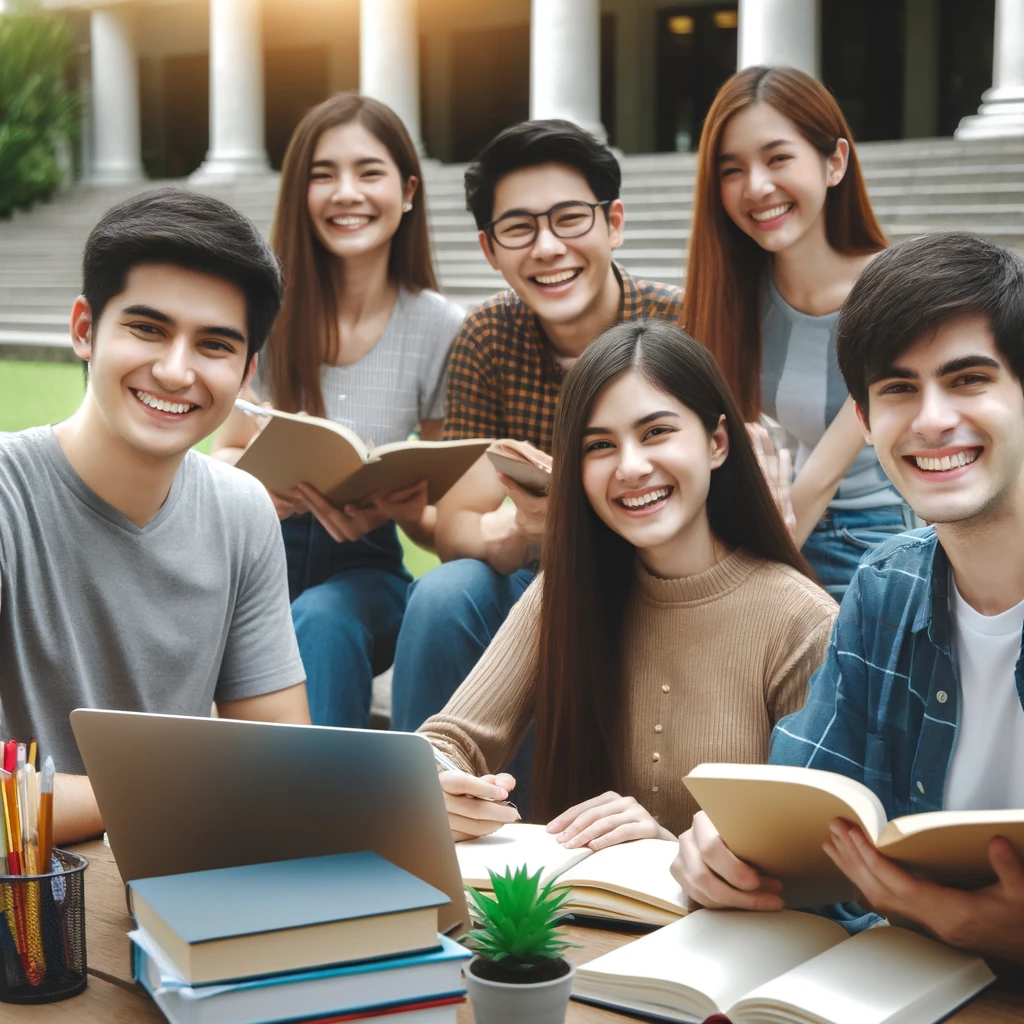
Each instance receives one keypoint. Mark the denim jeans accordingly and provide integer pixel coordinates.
(347, 605)
(841, 537)
(453, 613)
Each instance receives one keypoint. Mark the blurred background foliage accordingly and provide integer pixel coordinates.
(40, 112)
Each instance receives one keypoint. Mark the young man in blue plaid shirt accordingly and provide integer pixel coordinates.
(921, 697)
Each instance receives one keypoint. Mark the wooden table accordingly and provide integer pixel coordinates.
(113, 998)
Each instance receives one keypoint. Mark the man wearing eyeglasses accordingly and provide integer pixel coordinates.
(545, 197)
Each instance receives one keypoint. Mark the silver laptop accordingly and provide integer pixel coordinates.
(187, 794)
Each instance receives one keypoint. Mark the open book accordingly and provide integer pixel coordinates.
(528, 466)
(293, 448)
(781, 967)
(776, 818)
(627, 882)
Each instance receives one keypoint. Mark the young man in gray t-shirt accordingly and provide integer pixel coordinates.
(135, 573)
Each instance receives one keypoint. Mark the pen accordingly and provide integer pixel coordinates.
(250, 408)
(445, 762)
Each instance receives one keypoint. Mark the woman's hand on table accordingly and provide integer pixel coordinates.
(604, 821)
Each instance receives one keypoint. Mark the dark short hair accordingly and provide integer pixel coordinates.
(531, 143)
(914, 288)
(190, 230)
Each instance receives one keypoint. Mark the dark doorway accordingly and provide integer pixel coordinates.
(862, 63)
(296, 79)
(186, 112)
(966, 33)
(696, 54)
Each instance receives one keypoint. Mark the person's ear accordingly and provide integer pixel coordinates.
(412, 183)
(862, 419)
(485, 247)
(719, 443)
(81, 328)
(616, 222)
(837, 163)
(250, 372)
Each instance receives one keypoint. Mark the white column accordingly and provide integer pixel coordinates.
(389, 59)
(1002, 107)
(780, 32)
(117, 145)
(565, 62)
(237, 146)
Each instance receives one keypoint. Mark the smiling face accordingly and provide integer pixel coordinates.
(166, 359)
(772, 181)
(355, 192)
(560, 279)
(647, 463)
(947, 421)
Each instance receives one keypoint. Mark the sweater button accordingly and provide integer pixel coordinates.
(920, 787)
(654, 789)
(942, 696)
(655, 756)
(657, 728)
(665, 687)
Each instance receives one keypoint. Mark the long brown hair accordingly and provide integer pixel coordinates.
(305, 334)
(588, 567)
(726, 269)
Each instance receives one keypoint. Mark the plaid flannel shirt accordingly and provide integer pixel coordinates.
(884, 708)
(503, 379)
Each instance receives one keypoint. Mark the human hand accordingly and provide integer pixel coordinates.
(475, 804)
(777, 466)
(348, 523)
(605, 820)
(987, 921)
(287, 504)
(710, 873)
(405, 506)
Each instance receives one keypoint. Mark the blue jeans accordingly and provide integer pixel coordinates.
(841, 537)
(347, 605)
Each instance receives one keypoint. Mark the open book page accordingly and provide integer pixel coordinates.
(777, 817)
(880, 976)
(528, 466)
(512, 846)
(951, 847)
(705, 962)
(639, 871)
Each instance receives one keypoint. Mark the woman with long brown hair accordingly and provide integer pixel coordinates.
(782, 227)
(675, 621)
(362, 338)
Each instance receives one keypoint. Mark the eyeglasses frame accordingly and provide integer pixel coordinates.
(490, 232)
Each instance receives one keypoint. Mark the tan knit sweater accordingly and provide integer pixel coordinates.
(713, 661)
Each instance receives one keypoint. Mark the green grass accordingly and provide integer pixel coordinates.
(35, 393)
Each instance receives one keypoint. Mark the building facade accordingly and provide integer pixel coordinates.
(213, 88)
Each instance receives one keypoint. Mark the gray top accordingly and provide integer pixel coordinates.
(802, 388)
(97, 612)
(401, 381)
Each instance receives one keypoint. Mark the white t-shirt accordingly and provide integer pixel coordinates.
(988, 763)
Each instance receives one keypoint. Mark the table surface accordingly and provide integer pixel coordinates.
(113, 998)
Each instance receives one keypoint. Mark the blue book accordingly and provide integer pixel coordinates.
(291, 915)
(351, 989)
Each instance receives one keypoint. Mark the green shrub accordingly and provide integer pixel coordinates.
(37, 106)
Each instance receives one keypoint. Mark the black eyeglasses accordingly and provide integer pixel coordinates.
(518, 230)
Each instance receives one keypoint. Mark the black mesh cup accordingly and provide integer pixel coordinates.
(42, 933)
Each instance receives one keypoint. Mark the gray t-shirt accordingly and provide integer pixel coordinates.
(98, 612)
(401, 381)
(802, 388)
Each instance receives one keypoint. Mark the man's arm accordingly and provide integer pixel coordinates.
(288, 705)
(75, 814)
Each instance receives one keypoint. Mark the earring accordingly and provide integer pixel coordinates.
(406, 207)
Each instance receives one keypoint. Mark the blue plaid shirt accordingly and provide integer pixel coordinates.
(884, 708)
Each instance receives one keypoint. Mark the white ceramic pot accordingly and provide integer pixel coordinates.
(498, 1002)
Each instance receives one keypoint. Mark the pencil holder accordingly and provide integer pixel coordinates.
(42, 933)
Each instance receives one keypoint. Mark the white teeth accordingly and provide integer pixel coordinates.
(160, 404)
(961, 458)
(775, 211)
(350, 222)
(646, 499)
(565, 275)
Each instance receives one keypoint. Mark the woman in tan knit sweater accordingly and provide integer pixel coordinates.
(675, 621)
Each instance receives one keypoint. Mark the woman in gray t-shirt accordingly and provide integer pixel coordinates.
(782, 228)
(362, 338)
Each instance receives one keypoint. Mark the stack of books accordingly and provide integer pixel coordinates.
(346, 937)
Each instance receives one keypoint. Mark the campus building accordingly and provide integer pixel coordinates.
(213, 88)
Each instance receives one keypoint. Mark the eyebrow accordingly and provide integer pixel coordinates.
(649, 418)
(361, 162)
(767, 147)
(140, 309)
(951, 366)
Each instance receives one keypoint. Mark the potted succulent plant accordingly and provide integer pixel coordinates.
(518, 973)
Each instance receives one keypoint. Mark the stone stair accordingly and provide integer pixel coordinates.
(916, 186)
